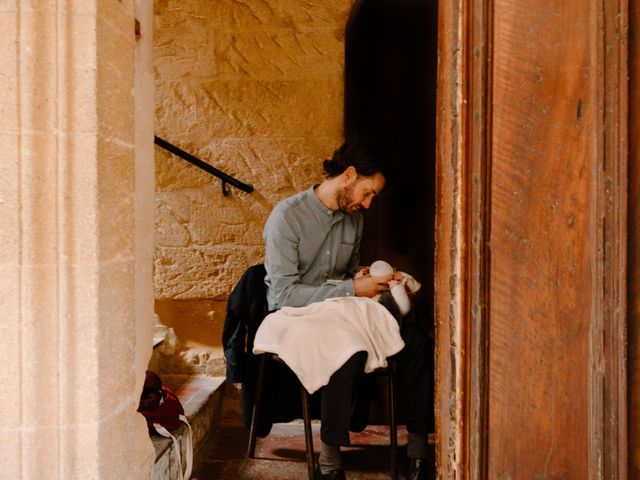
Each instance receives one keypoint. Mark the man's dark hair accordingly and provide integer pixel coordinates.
(367, 159)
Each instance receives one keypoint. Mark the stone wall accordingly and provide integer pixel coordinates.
(75, 331)
(255, 89)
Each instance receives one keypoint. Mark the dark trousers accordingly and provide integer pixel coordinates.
(415, 377)
(338, 399)
(415, 388)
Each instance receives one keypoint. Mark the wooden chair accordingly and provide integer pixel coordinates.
(389, 372)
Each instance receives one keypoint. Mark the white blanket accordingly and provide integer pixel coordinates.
(316, 340)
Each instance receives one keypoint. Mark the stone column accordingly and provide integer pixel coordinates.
(72, 322)
(145, 183)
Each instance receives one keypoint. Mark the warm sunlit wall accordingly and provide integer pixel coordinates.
(74, 299)
(256, 89)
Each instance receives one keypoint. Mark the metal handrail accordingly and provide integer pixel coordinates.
(204, 166)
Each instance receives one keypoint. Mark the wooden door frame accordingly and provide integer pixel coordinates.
(463, 182)
(633, 291)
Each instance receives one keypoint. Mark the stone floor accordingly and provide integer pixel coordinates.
(281, 454)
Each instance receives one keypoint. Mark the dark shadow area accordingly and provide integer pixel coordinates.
(390, 99)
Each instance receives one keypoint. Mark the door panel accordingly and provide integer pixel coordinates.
(542, 239)
(633, 315)
(531, 240)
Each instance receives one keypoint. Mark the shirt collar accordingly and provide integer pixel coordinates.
(317, 204)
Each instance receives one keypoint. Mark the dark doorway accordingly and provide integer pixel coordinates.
(390, 99)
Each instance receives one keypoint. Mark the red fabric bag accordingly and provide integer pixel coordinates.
(163, 412)
(159, 404)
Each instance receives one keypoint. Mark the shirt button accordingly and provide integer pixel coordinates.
(328, 252)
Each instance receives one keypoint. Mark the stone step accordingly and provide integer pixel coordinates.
(201, 397)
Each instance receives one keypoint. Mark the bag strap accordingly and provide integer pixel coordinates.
(188, 447)
(176, 445)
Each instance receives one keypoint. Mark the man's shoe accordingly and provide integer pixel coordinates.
(332, 475)
(418, 468)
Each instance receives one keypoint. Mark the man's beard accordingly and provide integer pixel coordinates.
(344, 197)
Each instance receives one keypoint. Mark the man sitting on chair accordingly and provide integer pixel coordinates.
(312, 242)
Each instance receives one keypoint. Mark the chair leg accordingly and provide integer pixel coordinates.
(308, 434)
(393, 427)
(251, 449)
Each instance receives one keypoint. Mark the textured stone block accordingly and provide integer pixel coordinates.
(317, 13)
(248, 108)
(274, 166)
(64, 350)
(9, 6)
(199, 271)
(115, 458)
(174, 173)
(257, 13)
(255, 89)
(171, 231)
(245, 14)
(285, 52)
(79, 7)
(115, 106)
(11, 466)
(38, 195)
(116, 210)
(8, 77)
(117, 18)
(10, 354)
(202, 216)
(9, 198)
(42, 453)
(208, 221)
(78, 73)
(183, 40)
(115, 305)
(38, 332)
(116, 48)
(38, 91)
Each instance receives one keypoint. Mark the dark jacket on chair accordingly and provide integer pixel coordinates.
(246, 308)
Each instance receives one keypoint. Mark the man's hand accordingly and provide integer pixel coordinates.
(371, 286)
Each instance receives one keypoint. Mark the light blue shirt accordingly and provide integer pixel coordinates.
(311, 252)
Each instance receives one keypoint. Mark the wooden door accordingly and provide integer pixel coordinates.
(633, 291)
(531, 262)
